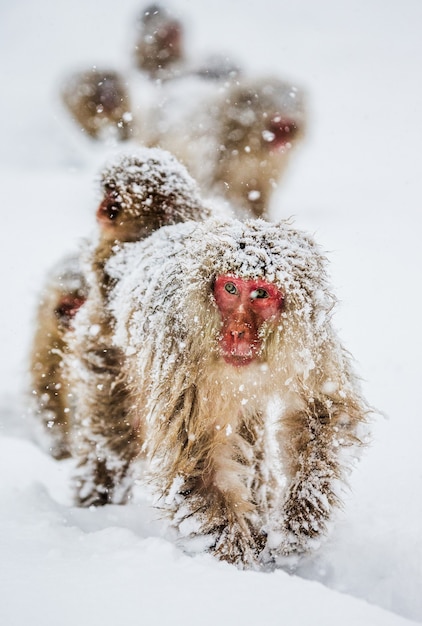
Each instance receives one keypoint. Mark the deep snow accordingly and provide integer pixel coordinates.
(355, 183)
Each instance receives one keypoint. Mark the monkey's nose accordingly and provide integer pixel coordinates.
(237, 334)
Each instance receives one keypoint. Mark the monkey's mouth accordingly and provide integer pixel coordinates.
(239, 358)
(237, 361)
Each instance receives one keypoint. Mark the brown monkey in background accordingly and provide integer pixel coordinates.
(235, 140)
(141, 192)
(260, 124)
(98, 100)
(238, 393)
(235, 134)
(159, 50)
(159, 43)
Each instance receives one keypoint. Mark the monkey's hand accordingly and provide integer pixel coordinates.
(229, 535)
(305, 516)
(238, 545)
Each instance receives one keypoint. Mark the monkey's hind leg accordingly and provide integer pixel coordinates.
(105, 442)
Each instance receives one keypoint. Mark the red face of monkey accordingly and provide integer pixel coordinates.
(67, 308)
(109, 210)
(280, 133)
(244, 305)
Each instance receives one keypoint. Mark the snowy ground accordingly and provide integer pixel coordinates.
(355, 183)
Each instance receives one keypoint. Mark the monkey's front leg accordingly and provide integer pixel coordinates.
(310, 498)
(213, 498)
(105, 443)
(230, 528)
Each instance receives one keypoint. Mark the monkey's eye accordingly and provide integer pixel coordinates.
(112, 210)
(259, 293)
(230, 288)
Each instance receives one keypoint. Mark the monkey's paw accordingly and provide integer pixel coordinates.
(287, 550)
(88, 493)
(58, 446)
(237, 545)
(237, 542)
(301, 531)
(101, 486)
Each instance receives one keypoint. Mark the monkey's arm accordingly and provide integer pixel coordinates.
(310, 442)
(205, 472)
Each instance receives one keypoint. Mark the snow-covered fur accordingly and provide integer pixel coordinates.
(250, 457)
(221, 131)
(150, 188)
(140, 191)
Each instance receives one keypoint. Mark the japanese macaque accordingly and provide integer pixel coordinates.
(98, 100)
(234, 134)
(229, 382)
(159, 50)
(159, 42)
(140, 192)
(63, 294)
(237, 140)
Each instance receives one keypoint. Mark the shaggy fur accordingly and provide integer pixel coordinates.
(140, 192)
(64, 292)
(250, 457)
(220, 125)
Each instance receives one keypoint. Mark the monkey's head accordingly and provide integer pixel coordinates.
(67, 307)
(264, 115)
(228, 293)
(66, 290)
(160, 41)
(99, 102)
(143, 191)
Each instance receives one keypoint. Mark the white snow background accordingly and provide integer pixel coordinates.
(355, 183)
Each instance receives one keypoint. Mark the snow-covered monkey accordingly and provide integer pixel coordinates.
(236, 133)
(140, 191)
(237, 140)
(237, 391)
